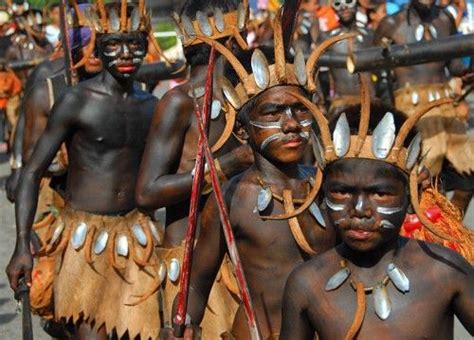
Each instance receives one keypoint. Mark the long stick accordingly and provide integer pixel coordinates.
(288, 21)
(23, 295)
(229, 235)
(180, 318)
(65, 42)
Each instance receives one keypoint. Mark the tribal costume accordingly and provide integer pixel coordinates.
(443, 132)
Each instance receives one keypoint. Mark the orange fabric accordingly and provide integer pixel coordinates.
(327, 18)
(10, 85)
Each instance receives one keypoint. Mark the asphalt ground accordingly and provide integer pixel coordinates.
(10, 320)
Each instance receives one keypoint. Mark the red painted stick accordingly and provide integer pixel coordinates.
(180, 317)
(228, 233)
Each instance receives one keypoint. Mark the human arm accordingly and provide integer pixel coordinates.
(56, 132)
(463, 303)
(295, 323)
(383, 36)
(16, 162)
(159, 185)
(36, 110)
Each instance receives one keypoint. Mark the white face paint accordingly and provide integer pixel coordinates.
(360, 204)
(387, 224)
(270, 139)
(388, 211)
(334, 206)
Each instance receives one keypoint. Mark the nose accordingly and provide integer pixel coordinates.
(125, 50)
(289, 124)
(361, 206)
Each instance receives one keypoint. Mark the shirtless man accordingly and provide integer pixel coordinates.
(443, 131)
(108, 274)
(412, 289)
(277, 127)
(345, 84)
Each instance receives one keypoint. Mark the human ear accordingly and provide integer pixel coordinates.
(240, 131)
(424, 178)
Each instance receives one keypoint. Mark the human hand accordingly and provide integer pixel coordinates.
(20, 266)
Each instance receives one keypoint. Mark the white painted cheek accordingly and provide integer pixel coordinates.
(388, 210)
(334, 206)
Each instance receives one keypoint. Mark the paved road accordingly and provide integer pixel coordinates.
(10, 321)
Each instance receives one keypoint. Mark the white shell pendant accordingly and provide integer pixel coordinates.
(121, 245)
(57, 232)
(383, 136)
(382, 304)
(413, 152)
(337, 279)
(79, 236)
(431, 97)
(316, 212)
(219, 20)
(174, 270)
(415, 98)
(161, 272)
(154, 232)
(204, 25)
(188, 26)
(260, 70)
(437, 95)
(300, 67)
(230, 93)
(264, 198)
(341, 136)
(317, 150)
(241, 16)
(419, 32)
(433, 31)
(398, 277)
(216, 108)
(114, 20)
(197, 92)
(101, 242)
(139, 234)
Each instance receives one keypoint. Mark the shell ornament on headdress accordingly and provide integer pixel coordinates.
(219, 25)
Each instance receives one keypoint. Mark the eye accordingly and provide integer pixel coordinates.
(340, 194)
(134, 44)
(381, 195)
(112, 44)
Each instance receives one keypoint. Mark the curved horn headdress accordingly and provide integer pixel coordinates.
(219, 25)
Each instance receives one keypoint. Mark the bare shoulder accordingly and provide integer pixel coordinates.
(389, 24)
(439, 258)
(310, 277)
(175, 105)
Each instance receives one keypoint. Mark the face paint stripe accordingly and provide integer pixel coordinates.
(334, 206)
(266, 125)
(387, 224)
(270, 139)
(388, 211)
(360, 204)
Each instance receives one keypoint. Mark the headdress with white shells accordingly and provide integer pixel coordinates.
(123, 16)
(264, 75)
(219, 25)
(384, 144)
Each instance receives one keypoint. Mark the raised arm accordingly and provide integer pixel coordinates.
(159, 185)
(295, 323)
(59, 126)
